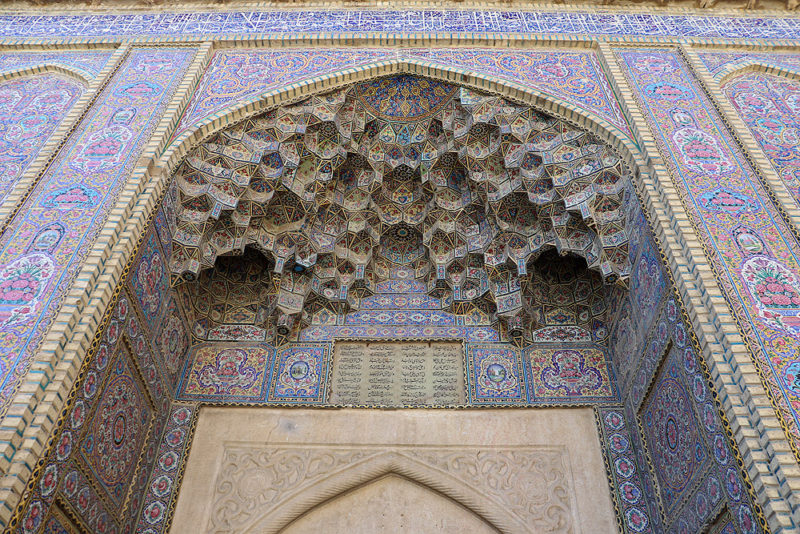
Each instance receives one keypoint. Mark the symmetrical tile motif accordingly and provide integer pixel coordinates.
(750, 246)
(300, 374)
(117, 430)
(219, 23)
(150, 281)
(495, 374)
(564, 374)
(637, 311)
(172, 340)
(241, 76)
(77, 192)
(770, 106)
(402, 310)
(468, 333)
(227, 373)
(666, 349)
(673, 436)
(31, 107)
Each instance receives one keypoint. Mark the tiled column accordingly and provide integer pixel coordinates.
(38, 167)
(758, 432)
(138, 108)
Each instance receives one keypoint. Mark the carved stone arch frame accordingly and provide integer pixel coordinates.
(359, 474)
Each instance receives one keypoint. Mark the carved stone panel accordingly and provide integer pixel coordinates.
(398, 374)
(286, 470)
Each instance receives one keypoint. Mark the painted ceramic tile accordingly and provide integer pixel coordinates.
(717, 61)
(300, 374)
(232, 23)
(770, 106)
(673, 436)
(226, 373)
(329, 333)
(164, 478)
(495, 374)
(580, 374)
(87, 62)
(150, 281)
(173, 340)
(748, 243)
(31, 107)
(235, 76)
(621, 464)
(117, 430)
(77, 192)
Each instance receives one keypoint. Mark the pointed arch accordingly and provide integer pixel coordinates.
(745, 66)
(50, 67)
(392, 501)
(297, 91)
(296, 504)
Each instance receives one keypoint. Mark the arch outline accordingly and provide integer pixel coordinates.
(294, 92)
(387, 463)
(745, 66)
(49, 67)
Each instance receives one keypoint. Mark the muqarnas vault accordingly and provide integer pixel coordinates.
(608, 229)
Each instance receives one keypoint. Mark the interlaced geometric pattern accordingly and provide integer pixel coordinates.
(341, 189)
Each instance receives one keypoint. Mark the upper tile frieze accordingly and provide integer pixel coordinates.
(413, 4)
(113, 19)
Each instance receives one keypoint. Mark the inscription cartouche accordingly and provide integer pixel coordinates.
(384, 373)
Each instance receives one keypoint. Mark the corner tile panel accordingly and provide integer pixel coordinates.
(77, 191)
(725, 201)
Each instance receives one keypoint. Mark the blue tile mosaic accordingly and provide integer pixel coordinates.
(312, 21)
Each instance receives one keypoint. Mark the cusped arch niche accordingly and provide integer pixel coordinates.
(533, 493)
(390, 503)
(468, 195)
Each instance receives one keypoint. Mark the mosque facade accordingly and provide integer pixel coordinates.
(505, 267)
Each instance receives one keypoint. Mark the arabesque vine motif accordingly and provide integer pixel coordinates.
(749, 244)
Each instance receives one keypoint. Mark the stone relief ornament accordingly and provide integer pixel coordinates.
(519, 490)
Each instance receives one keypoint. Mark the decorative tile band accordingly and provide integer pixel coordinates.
(747, 242)
(165, 478)
(301, 374)
(240, 76)
(368, 21)
(630, 496)
(77, 192)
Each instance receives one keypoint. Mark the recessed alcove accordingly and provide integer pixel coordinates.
(440, 247)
